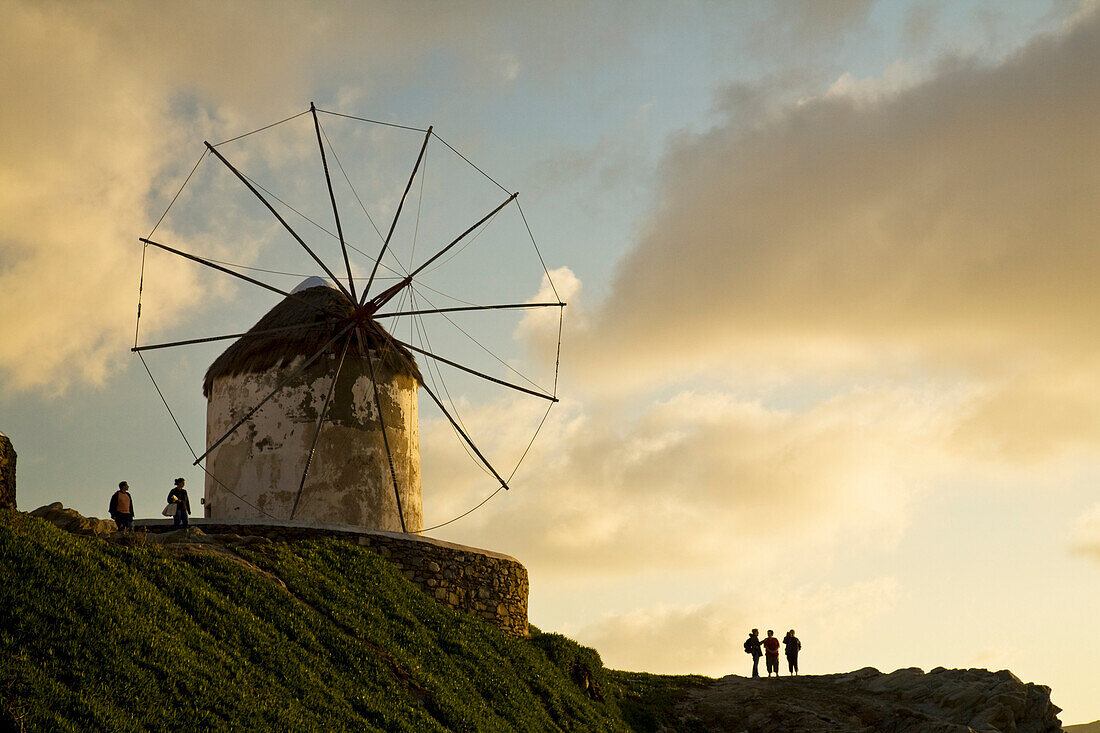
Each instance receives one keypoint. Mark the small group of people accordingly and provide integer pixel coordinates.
(122, 506)
(769, 649)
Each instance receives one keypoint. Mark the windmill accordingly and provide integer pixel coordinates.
(312, 411)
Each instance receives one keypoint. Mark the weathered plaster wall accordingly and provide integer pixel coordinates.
(349, 480)
(488, 585)
(7, 473)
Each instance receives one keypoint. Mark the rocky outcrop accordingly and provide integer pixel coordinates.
(7, 473)
(1093, 727)
(73, 521)
(905, 701)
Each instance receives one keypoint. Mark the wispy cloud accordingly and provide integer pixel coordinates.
(108, 96)
(1085, 534)
(713, 475)
(827, 315)
(939, 228)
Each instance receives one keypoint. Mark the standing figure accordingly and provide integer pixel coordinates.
(178, 496)
(791, 646)
(752, 646)
(122, 508)
(771, 652)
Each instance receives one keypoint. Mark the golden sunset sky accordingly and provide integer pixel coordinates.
(832, 355)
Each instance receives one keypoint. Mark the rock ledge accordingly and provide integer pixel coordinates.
(908, 700)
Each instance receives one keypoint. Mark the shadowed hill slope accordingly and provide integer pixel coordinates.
(187, 631)
(100, 636)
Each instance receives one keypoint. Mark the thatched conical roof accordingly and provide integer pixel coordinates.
(256, 354)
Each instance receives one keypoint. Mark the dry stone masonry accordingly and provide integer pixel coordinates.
(488, 585)
(7, 473)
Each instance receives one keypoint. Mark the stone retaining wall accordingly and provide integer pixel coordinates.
(488, 585)
(7, 473)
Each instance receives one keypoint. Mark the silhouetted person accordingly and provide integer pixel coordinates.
(752, 646)
(771, 653)
(791, 646)
(178, 496)
(122, 508)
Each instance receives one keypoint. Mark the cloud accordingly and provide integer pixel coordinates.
(539, 328)
(707, 638)
(898, 77)
(920, 23)
(808, 20)
(1085, 534)
(943, 227)
(832, 310)
(70, 198)
(795, 33)
(714, 476)
(108, 97)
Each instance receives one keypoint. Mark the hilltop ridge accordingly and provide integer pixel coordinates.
(259, 635)
(182, 631)
(868, 700)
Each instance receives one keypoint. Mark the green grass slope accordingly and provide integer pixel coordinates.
(100, 636)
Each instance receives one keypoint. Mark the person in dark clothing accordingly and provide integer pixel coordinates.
(791, 646)
(178, 496)
(122, 508)
(771, 653)
(752, 646)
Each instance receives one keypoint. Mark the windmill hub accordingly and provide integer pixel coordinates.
(364, 314)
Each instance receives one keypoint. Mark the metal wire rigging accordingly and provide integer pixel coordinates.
(407, 289)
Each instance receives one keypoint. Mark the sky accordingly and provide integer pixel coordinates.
(831, 351)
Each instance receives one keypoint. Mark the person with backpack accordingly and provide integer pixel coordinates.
(752, 646)
(178, 496)
(771, 653)
(791, 646)
(121, 508)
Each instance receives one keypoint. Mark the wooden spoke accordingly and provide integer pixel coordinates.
(282, 221)
(291, 377)
(462, 236)
(385, 296)
(332, 197)
(246, 278)
(396, 215)
(476, 373)
(382, 424)
(320, 423)
(468, 308)
(465, 437)
(208, 339)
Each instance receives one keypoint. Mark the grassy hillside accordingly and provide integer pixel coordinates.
(100, 636)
